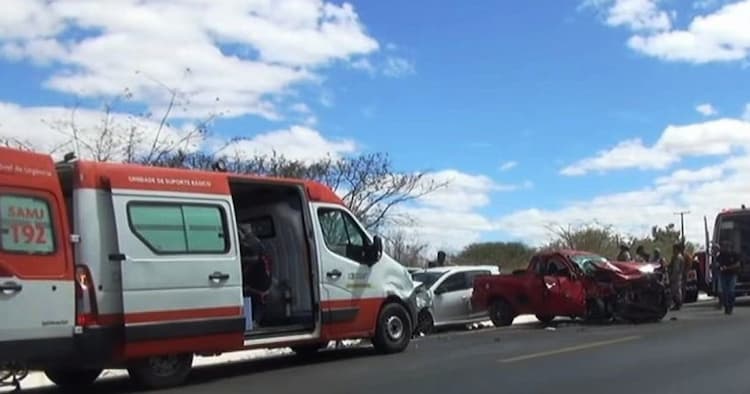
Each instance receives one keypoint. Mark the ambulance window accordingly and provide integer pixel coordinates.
(341, 234)
(179, 228)
(25, 225)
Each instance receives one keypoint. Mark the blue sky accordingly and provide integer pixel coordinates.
(578, 95)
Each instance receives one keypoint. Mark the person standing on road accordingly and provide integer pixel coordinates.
(656, 258)
(729, 264)
(641, 256)
(624, 253)
(715, 279)
(440, 262)
(676, 271)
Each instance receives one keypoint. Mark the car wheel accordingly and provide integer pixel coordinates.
(425, 323)
(161, 371)
(546, 319)
(394, 329)
(72, 378)
(501, 313)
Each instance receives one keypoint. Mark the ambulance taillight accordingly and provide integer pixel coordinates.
(86, 311)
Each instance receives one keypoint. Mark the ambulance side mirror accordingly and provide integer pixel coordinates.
(374, 251)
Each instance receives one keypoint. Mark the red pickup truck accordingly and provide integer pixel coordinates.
(576, 284)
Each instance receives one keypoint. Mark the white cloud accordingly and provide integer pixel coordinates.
(626, 154)
(398, 67)
(464, 192)
(297, 142)
(638, 15)
(508, 165)
(364, 64)
(275, 45)
(706, 109)
(715, 137)
(451, 217)
(721, 35)
(704, 191)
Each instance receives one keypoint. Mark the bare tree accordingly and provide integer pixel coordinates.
(405, 249)
(368, 183)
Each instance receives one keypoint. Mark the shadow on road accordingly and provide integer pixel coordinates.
(207, 374)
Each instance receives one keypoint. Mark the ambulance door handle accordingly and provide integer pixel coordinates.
(9, 288)
(335, 274)
(218, 277)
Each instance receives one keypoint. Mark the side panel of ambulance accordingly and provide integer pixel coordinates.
(180, 269)
(37, 292)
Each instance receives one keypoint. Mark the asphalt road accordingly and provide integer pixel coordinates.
(697, 350)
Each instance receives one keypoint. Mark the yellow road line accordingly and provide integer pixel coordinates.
(569, 349)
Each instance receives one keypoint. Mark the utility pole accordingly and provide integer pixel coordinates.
(682, 225)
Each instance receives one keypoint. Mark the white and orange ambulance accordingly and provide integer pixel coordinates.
(107, 265)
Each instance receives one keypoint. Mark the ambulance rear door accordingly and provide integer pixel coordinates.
(37, 293)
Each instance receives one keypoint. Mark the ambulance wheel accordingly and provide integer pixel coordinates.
(161, 371)
(70, 378)
(394, 329)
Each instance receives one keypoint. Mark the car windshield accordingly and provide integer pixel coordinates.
(427, 278)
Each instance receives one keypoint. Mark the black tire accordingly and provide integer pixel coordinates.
(425, 323)
(546, 319)
(161, 371)
(394, 329)
(71, 378)
(308, 350)
(501, 313)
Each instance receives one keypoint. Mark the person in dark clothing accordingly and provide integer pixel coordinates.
(729, 264)
(440, 262)
(641, 256)
(624, 253)
(256, 270)
(656, 258)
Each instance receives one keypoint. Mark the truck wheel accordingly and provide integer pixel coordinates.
(501, 313)
(72, 378)
(546, 319)
(161, 371)
(394, 329)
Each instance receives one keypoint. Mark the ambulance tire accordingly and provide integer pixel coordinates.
(160, 372)
(69, 378)
(394, 329)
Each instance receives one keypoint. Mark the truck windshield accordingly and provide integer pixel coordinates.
(735, 230)
(427, 278)
(581, 259)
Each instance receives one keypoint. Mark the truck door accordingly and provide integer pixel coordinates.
(564, 294)
(350, 302)
(37, 293)
(180, 268)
